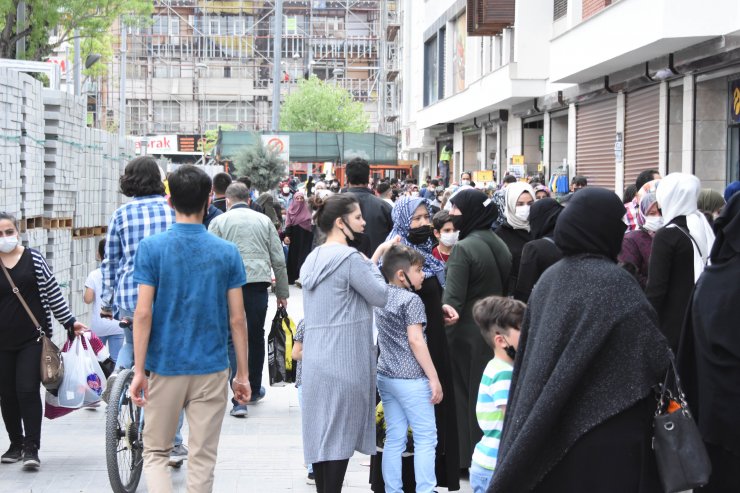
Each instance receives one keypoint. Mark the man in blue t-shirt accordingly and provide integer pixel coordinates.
(189, 286)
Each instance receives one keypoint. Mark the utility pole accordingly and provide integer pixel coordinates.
(78, 69)
(122, 87)
(276, 68)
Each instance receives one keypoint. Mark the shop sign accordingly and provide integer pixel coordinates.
(735, 101)
(518, 170)
(517, 159)
(156, 144)
(279, 144)
(483, 176)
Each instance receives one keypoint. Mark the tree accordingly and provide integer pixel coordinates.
(262, 165)
(51, 23)
(318, 106)
(210, 138)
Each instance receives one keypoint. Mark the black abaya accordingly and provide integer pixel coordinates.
(301, 243)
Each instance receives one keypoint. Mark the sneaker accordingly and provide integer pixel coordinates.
(14, 454)
(310, 479)
(108, 387)
(239, 411)
(178, 455)
(31, 460)
(260, 395)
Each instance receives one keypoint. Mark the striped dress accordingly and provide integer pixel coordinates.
(340, 287)
(493, 394)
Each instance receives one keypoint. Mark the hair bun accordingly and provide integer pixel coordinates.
(317, 203)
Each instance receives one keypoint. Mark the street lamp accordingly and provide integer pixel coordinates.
(201, 111)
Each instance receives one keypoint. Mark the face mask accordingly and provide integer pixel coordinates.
(653, 223)
(420, 235)
(8, 244)
(449, 239)
(509, 350)
(465, 183)
(407, 282)
(414, 194)
(355, 242)
(522, 212)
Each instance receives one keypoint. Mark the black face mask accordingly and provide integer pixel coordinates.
(420, 235)
(358, 237)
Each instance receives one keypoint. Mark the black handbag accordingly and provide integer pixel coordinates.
(683, 463)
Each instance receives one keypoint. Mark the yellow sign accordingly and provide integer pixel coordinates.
(483, 176)
(517, 159)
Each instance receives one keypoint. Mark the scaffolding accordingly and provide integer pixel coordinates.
(204, 64)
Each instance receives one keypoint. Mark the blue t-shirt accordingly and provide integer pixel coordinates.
(402, 309)
(192, 271)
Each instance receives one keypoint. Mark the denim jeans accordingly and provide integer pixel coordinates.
(255, 306)
(407, 402)
(126, 354)
(480, 477)
(300, 406)
(114, 345)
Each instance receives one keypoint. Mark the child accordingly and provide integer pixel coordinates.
(446, 235)
(407, 381)
(297, 357)
(106, 329)
(500, 320)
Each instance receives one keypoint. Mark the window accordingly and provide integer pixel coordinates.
(166, 116)
(136, 70)
(227, 72)
(159, 24)
(169, 70)
(217, 112)
(137, 116)
(431, 69)
(214, 26)
(560, 9)
(174, 27)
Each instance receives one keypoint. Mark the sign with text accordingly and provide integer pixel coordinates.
(735, 101)
(517, 159)
(156, 144)
(279, 144)
(483, 176)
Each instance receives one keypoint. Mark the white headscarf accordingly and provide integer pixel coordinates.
(677, 195)
(513, 191)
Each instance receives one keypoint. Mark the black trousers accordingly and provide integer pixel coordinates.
(20, 400)
(330, 475)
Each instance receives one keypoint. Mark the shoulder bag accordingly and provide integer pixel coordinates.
(683, 463)
(52, 367)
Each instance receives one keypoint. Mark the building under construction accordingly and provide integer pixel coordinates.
(204, 64)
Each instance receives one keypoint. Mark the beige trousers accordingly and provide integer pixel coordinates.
(204, 399)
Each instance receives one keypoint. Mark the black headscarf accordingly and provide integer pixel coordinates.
(592, 223)
(727, 231)
(542, 217)
(478, 211)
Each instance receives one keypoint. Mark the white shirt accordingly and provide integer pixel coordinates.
(101, 326)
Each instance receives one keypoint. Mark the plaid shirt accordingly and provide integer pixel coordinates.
(131, 223)
(632, 215)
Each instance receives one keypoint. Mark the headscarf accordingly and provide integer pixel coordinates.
(513, 191)
(727, 227)
(478, 211)
(403, 211)
(710, 200)
(731, 190)
(541, 188)
(592, 223)
(678, 195)
(298, 213)
(645, 198)
(543, 216)
(268, 205)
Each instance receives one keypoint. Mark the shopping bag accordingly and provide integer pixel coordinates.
(83, 380)
(281, 368)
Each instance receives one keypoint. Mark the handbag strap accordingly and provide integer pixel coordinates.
(679, 388)
(17, 292)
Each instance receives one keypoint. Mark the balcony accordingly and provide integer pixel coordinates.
(630, 32)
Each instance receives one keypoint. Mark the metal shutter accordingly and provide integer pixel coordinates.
(641, 132)
(596, 127)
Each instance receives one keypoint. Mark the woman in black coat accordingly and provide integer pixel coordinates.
(680, 251)
(515, 230)
(541, 252)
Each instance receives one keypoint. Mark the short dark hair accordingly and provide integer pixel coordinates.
(331, 208)
(142, 176)
(400, 257)
(509, 179)
(221, 182)
(645, 177)
(358, 172)
(580, 181)
(629, 193)
(101, 248)
(499, 314)
(440, 219)
(237, 192)
(435, 182)
(245, 180)
(466, 173)
(190, 188)
(383, 187)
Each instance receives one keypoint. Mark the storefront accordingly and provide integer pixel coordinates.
(641, 132)
(596, 127)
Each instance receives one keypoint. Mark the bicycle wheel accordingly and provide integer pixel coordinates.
(124, 426)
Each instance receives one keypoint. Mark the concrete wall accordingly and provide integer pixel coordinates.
(675, 128)
(710, 146)
(558, 142)
(532, 153)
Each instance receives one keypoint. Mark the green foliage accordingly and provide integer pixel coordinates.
(101, 45)
(51, 23)
(319, 106)
(211, 137)
(262, 165)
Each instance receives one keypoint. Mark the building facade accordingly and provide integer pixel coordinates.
(598, 88)
(202, 64)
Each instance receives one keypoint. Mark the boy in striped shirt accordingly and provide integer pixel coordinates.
(499, 320)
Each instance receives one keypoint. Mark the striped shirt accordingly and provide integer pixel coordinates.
(132, 222)
(51, 295)
(493, 394)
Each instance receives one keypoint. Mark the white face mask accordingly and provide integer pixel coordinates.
(522, 212)
(653, 223)
(414, 194)
(449, 239)
(286, 190)
(8, 243)
(465, 183)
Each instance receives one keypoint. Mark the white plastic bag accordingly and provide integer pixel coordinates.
(83, 380)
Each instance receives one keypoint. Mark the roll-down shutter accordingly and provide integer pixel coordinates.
(641, 132)
(596, 126)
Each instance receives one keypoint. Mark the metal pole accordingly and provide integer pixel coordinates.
(20, 45)
(122, 96)
(77, 62)
(276, 55)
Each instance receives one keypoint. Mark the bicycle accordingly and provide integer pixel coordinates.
(124, 433)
